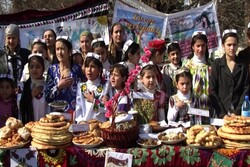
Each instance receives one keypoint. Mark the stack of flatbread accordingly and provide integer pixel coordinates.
(51, 132)
(235, 132)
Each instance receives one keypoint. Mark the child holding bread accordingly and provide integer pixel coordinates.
(180, 102)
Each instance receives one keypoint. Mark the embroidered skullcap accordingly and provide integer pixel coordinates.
(35, 54)
(127, 45)
(199, 32)
(8, 76)
(229, 31)
(94, 55)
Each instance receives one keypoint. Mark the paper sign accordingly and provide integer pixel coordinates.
(186, 124)
(143, 95)
(196, 111)
(116, 159)
(23, 157)
(163, 123)
(174, 124)
(79, 128)
(177, 124)
(217, 121)
(149, 136)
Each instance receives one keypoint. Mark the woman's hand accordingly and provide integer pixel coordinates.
(64, 83)
(89, 96)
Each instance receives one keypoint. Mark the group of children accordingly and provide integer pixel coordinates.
(88, 83)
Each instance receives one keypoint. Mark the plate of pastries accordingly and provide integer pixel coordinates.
(91, 138)
(204, 137)
(13, 134)
(158, 126)
(171, 137)
(148, 142)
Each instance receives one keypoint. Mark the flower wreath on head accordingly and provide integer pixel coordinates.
(145, 58)
(112, 104)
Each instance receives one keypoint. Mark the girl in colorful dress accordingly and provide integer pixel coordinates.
(174, 56)
(229, 81)
(62, 78)
(181, 101)
(32, 104)
(116, 43)
(89, 103)
(99, 47)
(38, 47)
(118, 77)
(131, 55)
(155, 52)
(7, 99)
(198, 65)
(151, 110)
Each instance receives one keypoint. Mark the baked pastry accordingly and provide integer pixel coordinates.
(30, 125)
(236, 129)
(24, 133)
(13, 123)
(5, 132)
(235, 120)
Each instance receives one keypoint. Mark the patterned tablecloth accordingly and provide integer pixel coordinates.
(165, 155)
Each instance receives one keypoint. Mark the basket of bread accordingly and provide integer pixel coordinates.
(120, 132)
(235, 132)
(203, 136)
(13, 134)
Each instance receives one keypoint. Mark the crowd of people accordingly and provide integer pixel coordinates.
(99, 79)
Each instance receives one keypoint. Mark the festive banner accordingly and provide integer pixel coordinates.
(180, 27)
(139, 26)
(72, 29)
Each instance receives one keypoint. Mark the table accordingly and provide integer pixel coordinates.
(165, 155)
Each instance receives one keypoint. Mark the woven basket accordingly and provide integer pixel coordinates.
(120, 138)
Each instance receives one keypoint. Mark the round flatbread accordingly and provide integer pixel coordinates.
(49, 132)
(38, 126)
(236, 120)
(236, 130)
(54, 124)
(54, 143)
(232, 136)
(48, 138)
(43, 146)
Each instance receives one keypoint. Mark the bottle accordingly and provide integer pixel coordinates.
(245, 109)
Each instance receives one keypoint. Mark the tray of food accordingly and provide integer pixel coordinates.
(148, 143)
(203, 137)
(87, 141)
(171, 137)
(58, 104)
(8, 146)
(158, 126)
